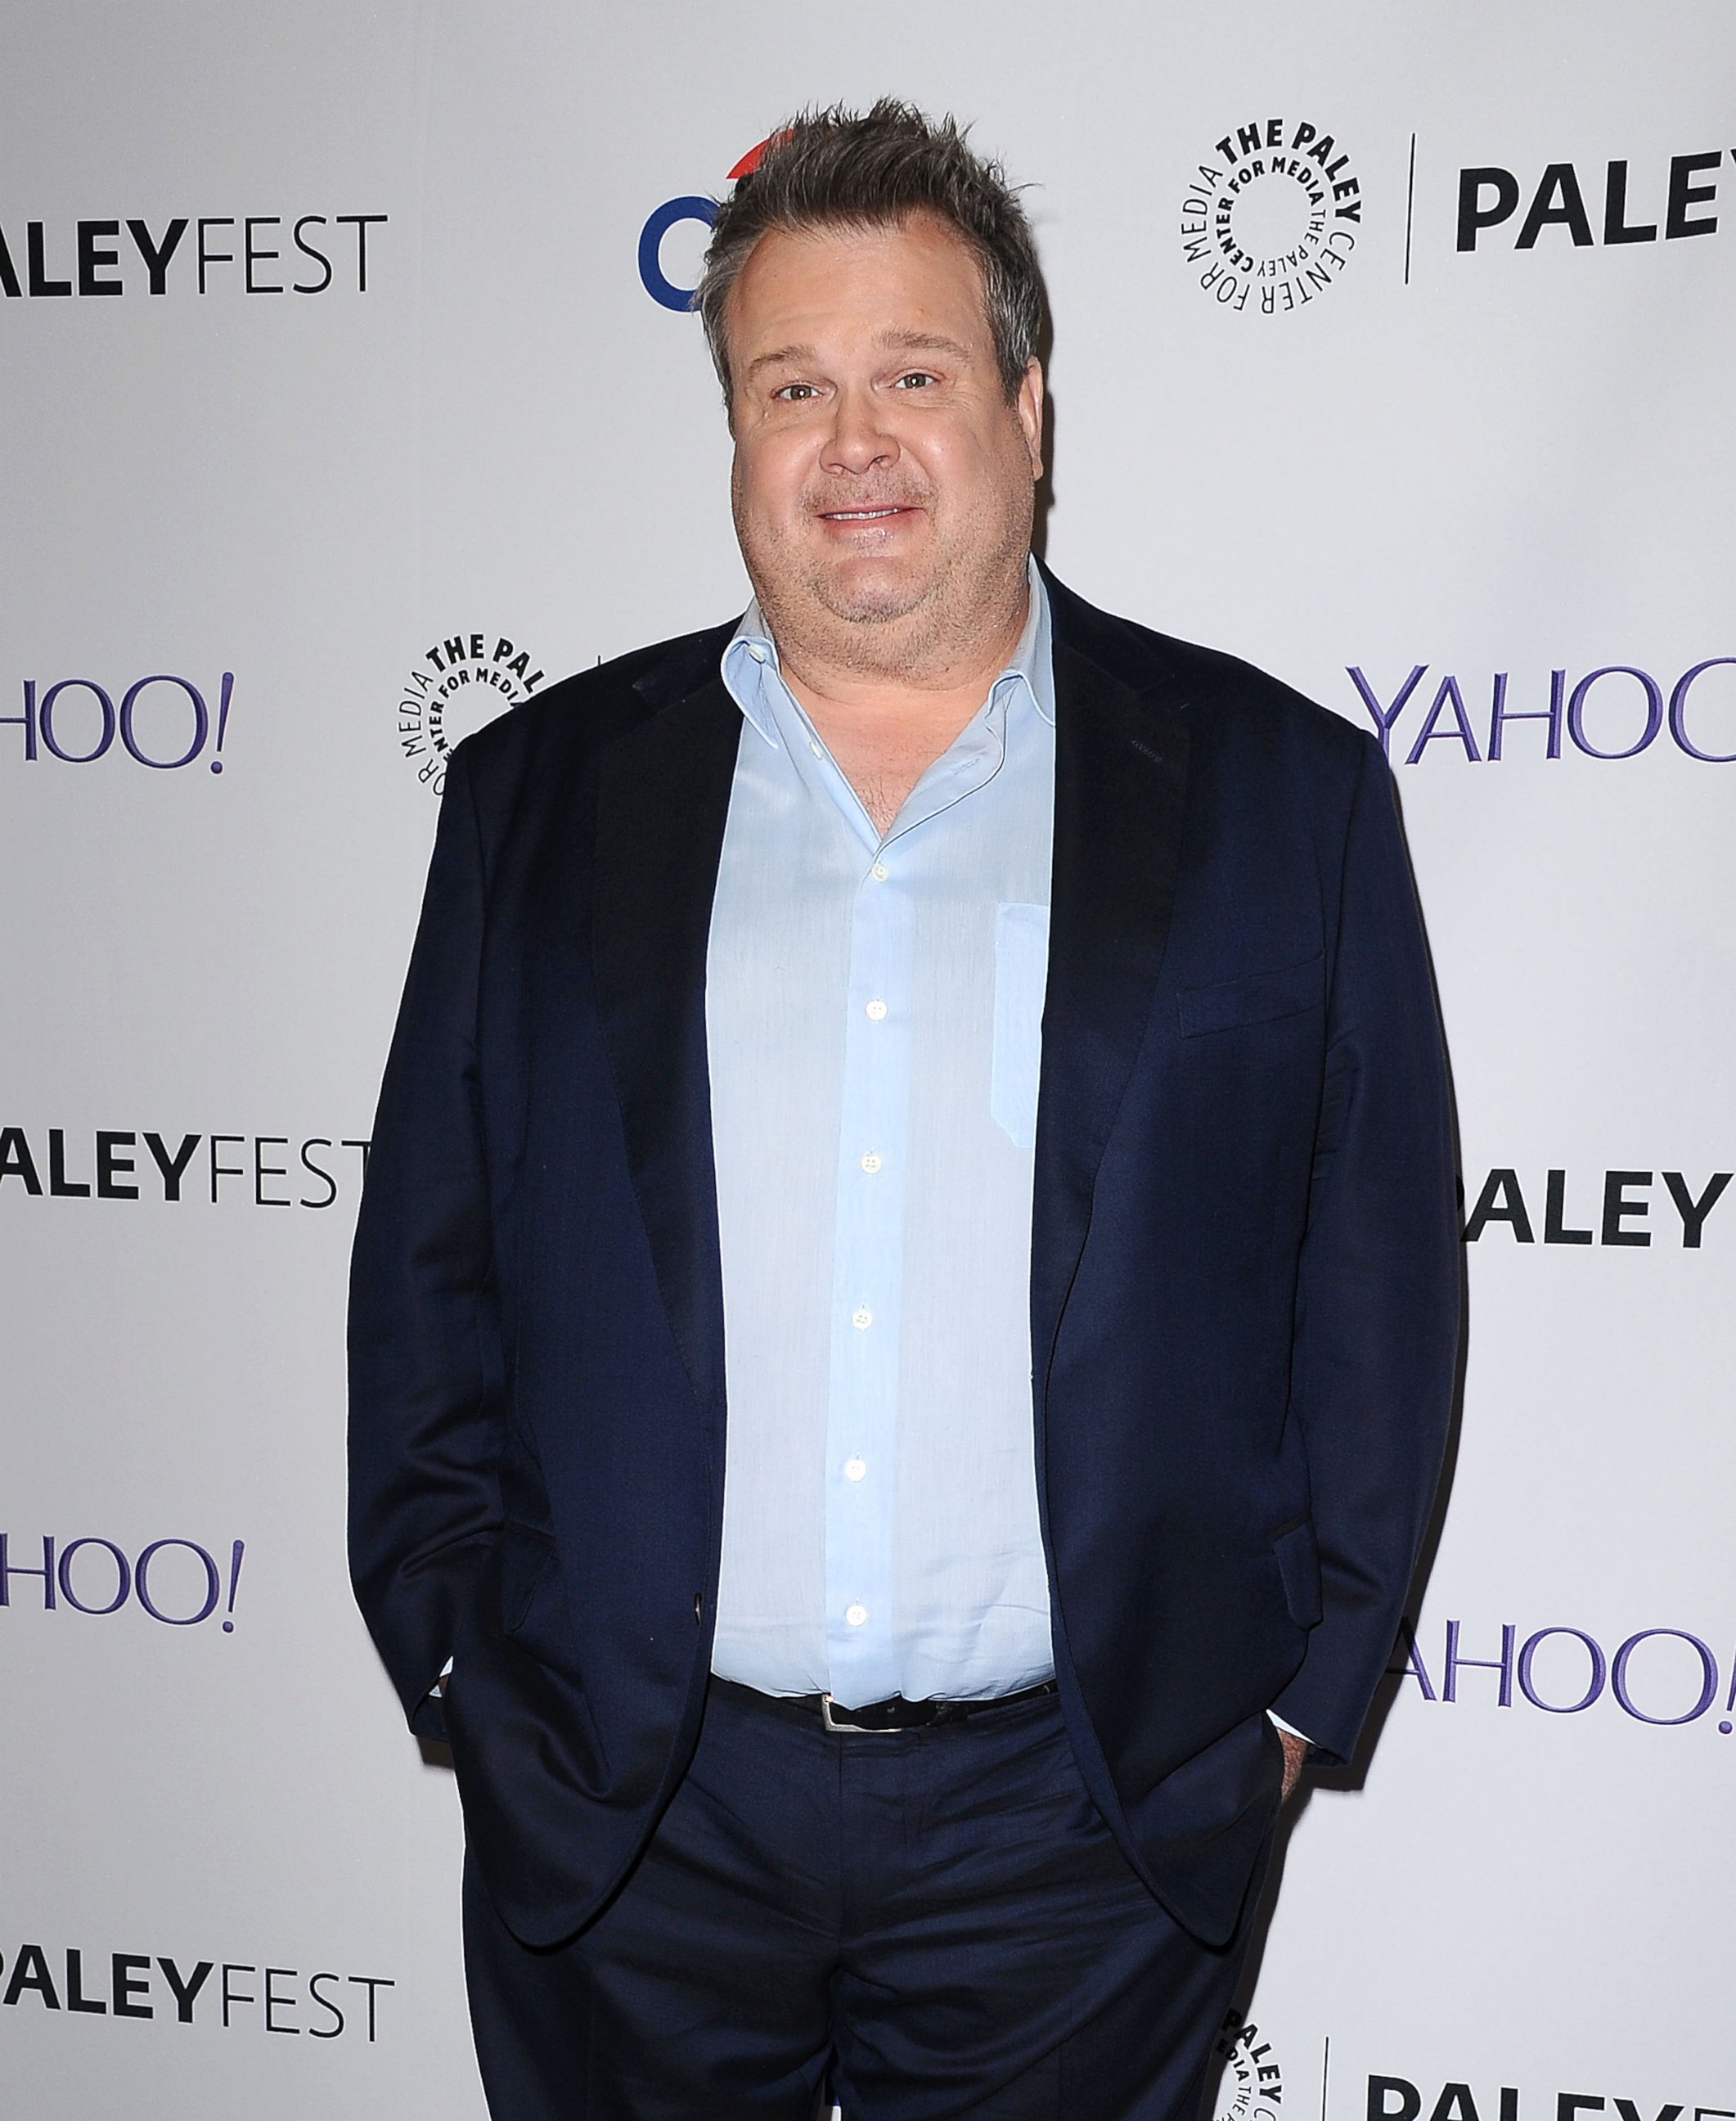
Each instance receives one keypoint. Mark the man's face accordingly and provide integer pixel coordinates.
(882, 480)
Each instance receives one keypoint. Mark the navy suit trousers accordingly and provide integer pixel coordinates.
(936, 1924)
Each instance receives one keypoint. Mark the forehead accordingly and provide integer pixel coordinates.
(812, 285)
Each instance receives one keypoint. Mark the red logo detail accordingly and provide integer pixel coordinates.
(750, 160)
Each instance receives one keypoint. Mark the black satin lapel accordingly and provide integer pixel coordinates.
(664, 796)
(1121, 771)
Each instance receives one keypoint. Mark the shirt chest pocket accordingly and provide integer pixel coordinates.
(1021, 974)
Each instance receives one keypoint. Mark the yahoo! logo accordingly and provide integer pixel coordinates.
(175, 1581)
(1615, 711)
(160, 721)
(691, 207)
(1664, 1677)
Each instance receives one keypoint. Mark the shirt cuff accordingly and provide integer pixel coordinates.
(1272, 1713)
(438, 1688)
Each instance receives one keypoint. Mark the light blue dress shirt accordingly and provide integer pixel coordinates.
(873, 1012)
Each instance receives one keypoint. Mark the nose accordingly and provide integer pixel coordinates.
(858, 440)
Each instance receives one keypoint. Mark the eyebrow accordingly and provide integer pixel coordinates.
(778, 354)
(916, 342)
(894, 341)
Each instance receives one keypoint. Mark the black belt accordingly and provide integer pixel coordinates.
(896, 1714)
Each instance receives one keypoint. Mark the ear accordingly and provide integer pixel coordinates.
(1028, 403)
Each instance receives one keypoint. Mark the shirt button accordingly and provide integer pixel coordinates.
(880, 872)
(870, 1162)
(876, 1011)
(855, 1468)
(814, 746)
(755, 651)
(862, 1320)
(855, 1614)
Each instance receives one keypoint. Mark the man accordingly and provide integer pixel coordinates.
(906, 1304)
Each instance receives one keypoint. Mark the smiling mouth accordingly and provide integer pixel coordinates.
(862, 515)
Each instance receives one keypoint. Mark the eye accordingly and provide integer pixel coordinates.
(794, 393)
(914, 378)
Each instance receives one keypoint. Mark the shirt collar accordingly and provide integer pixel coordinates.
(749, 662)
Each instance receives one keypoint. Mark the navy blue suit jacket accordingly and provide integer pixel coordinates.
(1244, 1270)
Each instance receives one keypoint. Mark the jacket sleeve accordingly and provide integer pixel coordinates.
(1376, 1339)
(426, 1373)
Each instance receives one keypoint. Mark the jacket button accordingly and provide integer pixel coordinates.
(698, 1603)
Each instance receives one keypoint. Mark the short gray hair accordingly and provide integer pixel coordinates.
(839, 168)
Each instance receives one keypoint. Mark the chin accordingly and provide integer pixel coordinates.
(872, 596)
(870, 610)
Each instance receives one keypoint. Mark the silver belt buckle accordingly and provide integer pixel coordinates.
(843, 1730)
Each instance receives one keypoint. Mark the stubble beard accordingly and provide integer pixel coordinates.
(912, 629)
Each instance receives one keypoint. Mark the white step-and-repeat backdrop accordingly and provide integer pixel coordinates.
(346, 397)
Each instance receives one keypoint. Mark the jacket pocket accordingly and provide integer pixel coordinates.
(1021, 974)
(1298, 1557)
(1257, 998)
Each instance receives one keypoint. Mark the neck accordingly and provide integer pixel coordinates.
(885, 724)
(878, 671)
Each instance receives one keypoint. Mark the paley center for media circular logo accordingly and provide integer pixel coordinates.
(1251, 2087)
(462, 680)
(1272, 217)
